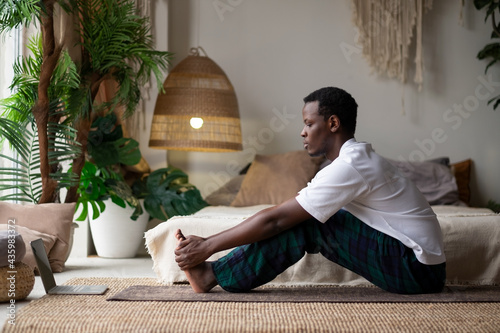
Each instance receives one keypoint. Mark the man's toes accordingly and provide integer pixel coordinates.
(179, 235)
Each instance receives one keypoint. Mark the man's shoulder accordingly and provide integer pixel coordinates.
(354, 152)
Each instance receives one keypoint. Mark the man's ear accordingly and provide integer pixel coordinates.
(334, 123)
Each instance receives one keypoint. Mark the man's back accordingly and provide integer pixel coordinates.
(372, 189)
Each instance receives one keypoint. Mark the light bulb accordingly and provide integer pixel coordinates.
(196, 122)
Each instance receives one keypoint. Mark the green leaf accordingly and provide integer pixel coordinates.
(104, 154)
(496, 104)
(84, 213)
(137, 212)
(491, 63)
(95, 210)
(14, 14)
(119, 201)
(107, 146)
(104, 129)
(480, 4)
(490, 50)
(495, 99)
(169, 194)
(114, 37)
(99, 184)
(128, 151)
(493, 205)
(154, 208)
(493, 5)
(102, 206)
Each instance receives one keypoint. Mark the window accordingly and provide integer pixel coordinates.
(10, 45)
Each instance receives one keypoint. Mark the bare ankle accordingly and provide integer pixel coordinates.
(201, 277)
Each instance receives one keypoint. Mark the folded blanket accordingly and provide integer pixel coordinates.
(471, 237)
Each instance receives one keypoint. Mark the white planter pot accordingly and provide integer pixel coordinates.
(115, 235)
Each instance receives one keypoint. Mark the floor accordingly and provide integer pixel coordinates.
(88, 267)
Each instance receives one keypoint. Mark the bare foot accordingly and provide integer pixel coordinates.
(179, 235)
(200, 277)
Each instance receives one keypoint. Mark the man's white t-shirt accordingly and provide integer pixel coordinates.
(369, 187)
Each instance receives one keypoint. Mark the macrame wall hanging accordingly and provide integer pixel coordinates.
(386, 29)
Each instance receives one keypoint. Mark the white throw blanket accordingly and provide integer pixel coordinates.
(471, 237)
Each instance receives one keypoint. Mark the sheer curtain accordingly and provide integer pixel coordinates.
(10, 46)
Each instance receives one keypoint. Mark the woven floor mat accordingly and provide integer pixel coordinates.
(68, 313)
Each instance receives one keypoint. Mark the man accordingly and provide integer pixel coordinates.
(359, 212)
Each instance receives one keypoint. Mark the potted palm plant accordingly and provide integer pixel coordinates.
(49, 116)
(19, 127)
(113, 43)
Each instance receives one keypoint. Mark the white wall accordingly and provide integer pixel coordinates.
(159, 20)
(276, 52)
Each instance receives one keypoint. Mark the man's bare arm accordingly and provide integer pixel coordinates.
(265, 224)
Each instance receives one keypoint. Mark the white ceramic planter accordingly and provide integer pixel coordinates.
(115, 235)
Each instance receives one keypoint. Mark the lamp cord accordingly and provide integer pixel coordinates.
(194, 51)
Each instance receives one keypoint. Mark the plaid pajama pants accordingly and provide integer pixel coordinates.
(343, 239)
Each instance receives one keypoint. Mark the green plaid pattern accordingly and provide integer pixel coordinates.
(343, 239)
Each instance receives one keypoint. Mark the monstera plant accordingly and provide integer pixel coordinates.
(166, 192)
(101, 176)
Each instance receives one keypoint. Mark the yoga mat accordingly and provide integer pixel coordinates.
(333, 294)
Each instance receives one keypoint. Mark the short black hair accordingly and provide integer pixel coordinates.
(336, 101)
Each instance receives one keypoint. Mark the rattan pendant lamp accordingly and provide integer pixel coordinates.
(198, 110)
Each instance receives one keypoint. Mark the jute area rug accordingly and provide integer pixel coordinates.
(66, 313)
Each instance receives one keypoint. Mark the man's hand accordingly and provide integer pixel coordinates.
(190, 251)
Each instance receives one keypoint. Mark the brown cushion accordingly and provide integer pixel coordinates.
(273, 179)
(461, 171)
(28, 236)
(51, 219)
(226, 193)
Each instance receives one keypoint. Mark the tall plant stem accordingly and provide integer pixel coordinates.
(83, 126)
(40, 111)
